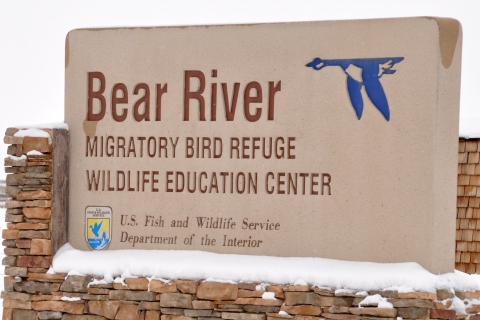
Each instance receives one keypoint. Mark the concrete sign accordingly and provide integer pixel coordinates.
(315, 139)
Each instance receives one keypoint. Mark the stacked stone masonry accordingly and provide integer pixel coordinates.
(31, 293)
(467, 256)
(55, 296)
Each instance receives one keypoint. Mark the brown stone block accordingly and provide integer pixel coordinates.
(37, 213)
(240, 316)
(172, 311)
(442, 314)
(187, 286)
(137, 283)
(36, 143)
(336, 301)
(15, 162)
(161, 286)
(10, 131)
(306, 310)
(14, 204)
(9, 261)
(38, 175)
(475, 308)
(413, 313)
(62, 306)
(34, 195)
(128, 312)
(300, 317)
(13, 217)
(298, 298)
(472, 294)
(11, 226)
(176, 300)
(217, 291)
(443, 304)
(7, 314)
(31, 226)
(12, 140)
(13, 251)
(335, 309)
(340, 316)
(9, 243)
(97, 290)
(129, 295)
(259, 301)
(15, 179)
(12, 191)
(202, 305)
(260, 309)
(46, 277)
(197, 313)
(17, 304)
(16, 296)
(250, 294)
(376, 312)
(152, 315)
(33, 261)
(146, 305)
(475, 317)
(37, 270)
(247, 286)
(8, 283)
(278, 291)
(76, 284)
(296, 288)
(10, 234)
(172, 317)
(107, 309)
(39, 203)
(120, 286)
(31, 234)
(41, 247)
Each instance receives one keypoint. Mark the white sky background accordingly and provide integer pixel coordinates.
(32, 35)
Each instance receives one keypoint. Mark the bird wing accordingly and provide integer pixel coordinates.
(377, 95)
(354, 88)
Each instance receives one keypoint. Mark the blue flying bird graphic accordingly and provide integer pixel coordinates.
(362, 72)
(96, 227)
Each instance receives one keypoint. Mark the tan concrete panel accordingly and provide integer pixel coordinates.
(388, 178)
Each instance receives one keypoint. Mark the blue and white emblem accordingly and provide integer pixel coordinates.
(98, 223)
(363, 72)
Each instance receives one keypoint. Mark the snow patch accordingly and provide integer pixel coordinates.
(231, 268)
(71, 299)
(37, 133)
(34, 153)
(74, 273)
(469, 127)
(269, 296)
(14, 158)
(375, 300)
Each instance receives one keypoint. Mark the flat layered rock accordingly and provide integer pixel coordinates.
(176, 300)
(217, 291)
(303, 310)
(62, 306)
(107, 309)
(242, 316)
(376, 312)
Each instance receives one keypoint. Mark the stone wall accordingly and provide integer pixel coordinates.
(467, 256)
(36, 228)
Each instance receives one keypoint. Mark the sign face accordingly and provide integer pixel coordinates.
(316, 139)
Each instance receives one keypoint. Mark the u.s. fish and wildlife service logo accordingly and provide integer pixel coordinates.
(98, 227)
